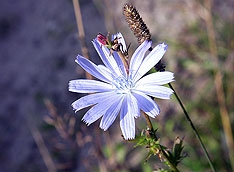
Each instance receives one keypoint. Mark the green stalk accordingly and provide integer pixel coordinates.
(149, 123)
(194, 129)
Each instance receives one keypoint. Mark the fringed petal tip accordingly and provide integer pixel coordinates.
(71, 86)
(165, 46)
(128, 138)
(74, 108)
(173, 78)
(146, 42)
(77, 58)
(154, 115)
(103, 128)
(85, 121)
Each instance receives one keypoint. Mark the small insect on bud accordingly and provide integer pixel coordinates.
(115, 45)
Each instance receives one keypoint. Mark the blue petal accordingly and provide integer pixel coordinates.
(138, 57)
(133, 105)
(127, 121)
(146, 104)
(94, 113)
(155, 91)
(151, 60)
(158, 78)
(88, 86)
(111, 113)
(91, 99)
(99, 109)
(107, 57)
(120, 64)
(93, 69)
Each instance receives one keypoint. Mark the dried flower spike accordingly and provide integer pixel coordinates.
(139, 29)
(136, 23)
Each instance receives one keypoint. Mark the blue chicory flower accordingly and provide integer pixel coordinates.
(120, 90)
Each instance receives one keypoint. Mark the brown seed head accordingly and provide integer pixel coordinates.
(136, 23)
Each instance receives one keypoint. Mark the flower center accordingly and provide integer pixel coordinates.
(123, 85)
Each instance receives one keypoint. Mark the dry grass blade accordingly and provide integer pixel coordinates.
(81, 33)
(207, 10)
(42, 148)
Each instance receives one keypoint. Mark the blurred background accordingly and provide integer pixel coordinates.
(39, 131)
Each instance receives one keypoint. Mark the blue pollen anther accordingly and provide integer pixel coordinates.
(122, 85)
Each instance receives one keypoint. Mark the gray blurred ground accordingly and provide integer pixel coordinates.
(38, 45)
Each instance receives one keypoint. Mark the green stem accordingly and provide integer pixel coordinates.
(194, 129)
(152, 131)
(169, 162)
